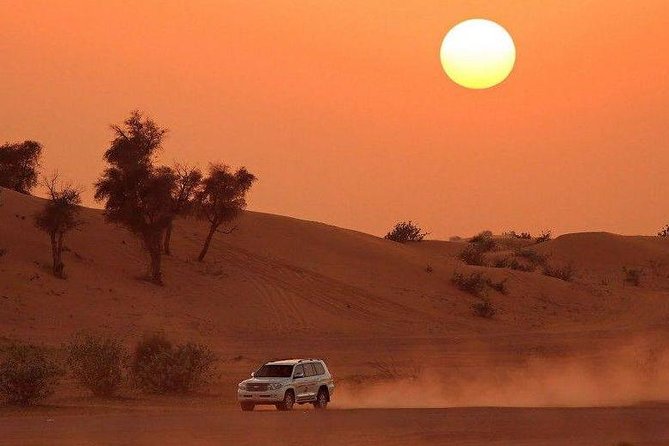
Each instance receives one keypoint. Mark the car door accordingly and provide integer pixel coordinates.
(311, 377)
(300, 383)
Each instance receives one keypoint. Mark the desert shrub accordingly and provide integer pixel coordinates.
(477, 284)
(406, 231)
(565, 272)
(664, 232)
(473, 283)
(544, 237)
(429, 269)
(512, 263)
(27, 374)
(97, 363)
(500, 287)
(522, 235)
(632, 276)
(484, 309)
(533, 257)
(483, 241)
(472, 255)
(158, 366)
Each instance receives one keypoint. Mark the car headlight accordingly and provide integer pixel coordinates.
(274, 386)
(242, 386)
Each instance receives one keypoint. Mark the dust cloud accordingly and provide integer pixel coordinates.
(634, 374)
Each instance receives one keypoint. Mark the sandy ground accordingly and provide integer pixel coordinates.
(639, 426)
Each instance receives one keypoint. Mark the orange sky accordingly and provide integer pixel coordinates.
(343, 111)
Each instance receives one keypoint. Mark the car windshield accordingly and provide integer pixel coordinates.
(274, 371)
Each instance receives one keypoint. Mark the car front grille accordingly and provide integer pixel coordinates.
(256, 387)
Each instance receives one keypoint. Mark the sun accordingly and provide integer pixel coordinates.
(478, 53)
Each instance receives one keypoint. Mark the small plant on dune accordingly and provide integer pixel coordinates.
(512, 263)
(484, 309)
(522, 235)
(565, 272)
(632, 276)
(472, 255)
(474, 283)
(477, 284)
(534, 258)
(544, 237)
(429, 269)
(159, 366)
(484, 241)
(27, 374)
(97, 363)
(406, 231)
(664, 232)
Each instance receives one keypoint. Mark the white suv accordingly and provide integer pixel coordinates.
(285, 383)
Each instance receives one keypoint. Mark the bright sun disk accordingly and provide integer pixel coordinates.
(478, 53)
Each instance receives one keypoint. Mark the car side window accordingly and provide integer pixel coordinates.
(299, 370)
(309, 369)
(319, 368)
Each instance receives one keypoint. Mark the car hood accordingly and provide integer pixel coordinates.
(264, 380)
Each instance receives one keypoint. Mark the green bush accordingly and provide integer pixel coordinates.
(97, 363)
(158, 366)
(27, 374)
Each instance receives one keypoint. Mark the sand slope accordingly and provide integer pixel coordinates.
(282, 275)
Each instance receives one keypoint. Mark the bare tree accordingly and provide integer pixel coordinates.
(59, 216)
(222, 198)
(138, 194)
(187, 183)
(19, 164)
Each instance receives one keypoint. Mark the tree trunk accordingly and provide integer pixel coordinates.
(60, 266)
(156, 273)
(153, 245)
(168, 237)
(207, 241)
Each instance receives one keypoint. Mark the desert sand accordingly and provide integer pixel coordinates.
(580, 362)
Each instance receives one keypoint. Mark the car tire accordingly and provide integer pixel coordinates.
(322, 400)
(247, 407)
(288, 401)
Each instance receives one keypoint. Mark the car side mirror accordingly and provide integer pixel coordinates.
(298, 375)
(253, 374)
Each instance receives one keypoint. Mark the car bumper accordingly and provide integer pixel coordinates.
(262, 397)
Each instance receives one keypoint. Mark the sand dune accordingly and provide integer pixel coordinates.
(280, 286)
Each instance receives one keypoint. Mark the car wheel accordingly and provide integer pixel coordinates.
(247, 407)
(321, 400)
(288, 401)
